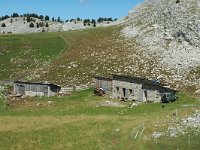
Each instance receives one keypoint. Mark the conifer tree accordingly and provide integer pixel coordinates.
(3, 25)
(31, 25)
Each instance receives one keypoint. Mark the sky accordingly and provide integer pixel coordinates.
(69, 9)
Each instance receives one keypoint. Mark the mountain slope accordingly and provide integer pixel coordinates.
(80, 55)
(19, 25)
(159, 39)
(168, 31)
(20, 55)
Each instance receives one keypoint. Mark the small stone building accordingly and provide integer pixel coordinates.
(132, 88)
(35, 89)
(104, 83)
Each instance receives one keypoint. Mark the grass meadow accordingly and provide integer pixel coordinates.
(24, 53)
(75, 122)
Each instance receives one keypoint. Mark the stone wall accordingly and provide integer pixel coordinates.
(153, 96)
(33, 90)
(32, 94)
(134, 91)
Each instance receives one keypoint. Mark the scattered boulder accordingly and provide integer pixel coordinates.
(38, 104)
(133, 105)
(179, 127)
(50, 102)
(109, 104)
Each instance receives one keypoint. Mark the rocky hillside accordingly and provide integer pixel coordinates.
(158, 39)
(20, 25)
(168, 31)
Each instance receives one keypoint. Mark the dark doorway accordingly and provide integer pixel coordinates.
(21, 89)
(46, 91)
(124, 92)
(146, 95)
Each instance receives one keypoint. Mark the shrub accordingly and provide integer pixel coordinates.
(3, 25)
(41, 17)
(46, 17)
(41, 24)
(37, 25)
(47, 25)
(15, 15)
(28, 19)
(31, 25)
(94, 24)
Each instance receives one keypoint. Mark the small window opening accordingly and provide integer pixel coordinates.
(117, 88)
(130, 91)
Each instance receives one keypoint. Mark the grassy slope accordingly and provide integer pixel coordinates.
(21, 55)
(73, 57)
(66, 58)
(46, 56)
(75, 122)
(99, 51)
(85, 57)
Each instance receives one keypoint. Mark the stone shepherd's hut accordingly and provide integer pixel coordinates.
(133, 88)
(35, 89)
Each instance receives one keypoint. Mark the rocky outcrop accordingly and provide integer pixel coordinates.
(19, 25)
(168, 31)
(178, 127)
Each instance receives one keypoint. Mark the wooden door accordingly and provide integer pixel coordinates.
(22, 89)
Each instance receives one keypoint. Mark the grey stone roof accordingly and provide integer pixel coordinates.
(38, 83)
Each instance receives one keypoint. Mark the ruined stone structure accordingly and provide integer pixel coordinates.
(132, 88)
(35, 89)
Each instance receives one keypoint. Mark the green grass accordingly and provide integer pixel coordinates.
(64, 58)
(82, 44)
(74, 57)
(74, 122)
(21, 55)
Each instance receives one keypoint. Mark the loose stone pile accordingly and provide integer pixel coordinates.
(179, 127)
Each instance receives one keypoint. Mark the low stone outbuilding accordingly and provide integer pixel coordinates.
(133, 88)
(35, 89)
(104, 83)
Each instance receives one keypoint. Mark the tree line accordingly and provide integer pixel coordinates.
(29, 16)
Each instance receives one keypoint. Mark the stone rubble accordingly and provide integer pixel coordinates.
(178, 127)
(109, 104)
